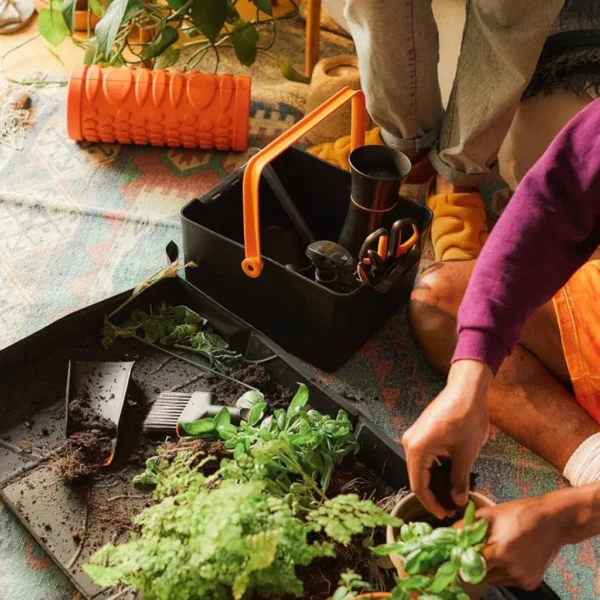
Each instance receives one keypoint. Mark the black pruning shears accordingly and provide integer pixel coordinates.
(382, 248)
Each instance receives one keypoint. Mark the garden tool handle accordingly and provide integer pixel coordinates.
(252, 265)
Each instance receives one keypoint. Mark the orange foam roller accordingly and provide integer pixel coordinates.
(158, 107)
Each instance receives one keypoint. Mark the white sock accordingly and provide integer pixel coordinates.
(584, 466)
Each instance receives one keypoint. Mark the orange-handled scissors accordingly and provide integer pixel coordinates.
(372, 263)
(396, 248)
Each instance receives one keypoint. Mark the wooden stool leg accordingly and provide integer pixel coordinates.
(313, 31)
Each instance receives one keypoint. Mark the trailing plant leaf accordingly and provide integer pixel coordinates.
(97, 7)
(52, 26)
(209, 16)
(68, 13)
(107, 28)
(168, 58)
(91, 51)
(291, 74)
(168, 36)
(244, 39)
(265, 6)
(347, 515)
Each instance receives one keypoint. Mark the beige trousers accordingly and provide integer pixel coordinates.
(398, 51)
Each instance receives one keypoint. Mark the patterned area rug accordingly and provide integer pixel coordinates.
(80, 223)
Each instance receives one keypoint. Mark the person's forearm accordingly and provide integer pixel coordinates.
(576, 511)
(548, 230)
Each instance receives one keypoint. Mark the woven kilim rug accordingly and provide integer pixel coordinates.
(80, 223)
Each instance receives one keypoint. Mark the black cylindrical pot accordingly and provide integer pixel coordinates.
(377, 173)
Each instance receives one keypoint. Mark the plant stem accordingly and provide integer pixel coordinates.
(195, 364)
(35, 37)
(181, 10)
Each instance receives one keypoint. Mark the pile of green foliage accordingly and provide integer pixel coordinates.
(176, 327)
(244, 530)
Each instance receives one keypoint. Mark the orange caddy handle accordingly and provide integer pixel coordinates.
(252, 265)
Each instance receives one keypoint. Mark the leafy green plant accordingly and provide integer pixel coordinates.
(177, 327)
(347, 515)
(296, 442)
(212, 543)
(214, 538)
(439, 560)
(350, 585)
(216, 23)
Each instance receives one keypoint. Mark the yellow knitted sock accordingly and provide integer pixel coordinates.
(337, 152)
(459, 227)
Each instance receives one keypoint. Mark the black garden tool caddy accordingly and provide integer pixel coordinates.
(271, 284)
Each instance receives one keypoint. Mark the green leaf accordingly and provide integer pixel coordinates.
(52, 26)
(407, 534)
(168, 58)
(96, 8)
(469, 517)
(444, 576)
(299, 401)
(265, 6)
(250, 399)
(232, 14)
(176, 4)
(472, 566)
(68, 13)
(476, 532)
(198, 428)
(152, 464)
(417, 582)
(387, 549)
(256, 413)
(107, 28)
(91, 52)
(209, 16)
(222, 419)
(291, 74)
(227, 432)
(168, 36)
(244, 39)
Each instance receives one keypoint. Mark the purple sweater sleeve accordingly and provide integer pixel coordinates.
(549, 229)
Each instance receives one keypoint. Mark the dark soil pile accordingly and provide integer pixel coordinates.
(82, 417)
(90, 442)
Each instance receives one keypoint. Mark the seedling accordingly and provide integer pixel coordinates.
(437, 561)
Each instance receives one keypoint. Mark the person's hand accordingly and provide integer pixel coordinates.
(454, 425)
(523, 539)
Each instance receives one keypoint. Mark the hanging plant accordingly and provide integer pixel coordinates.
(159, 25)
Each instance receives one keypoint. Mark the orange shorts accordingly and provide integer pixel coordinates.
(577, 308)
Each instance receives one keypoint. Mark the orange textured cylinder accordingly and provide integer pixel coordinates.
(157, 107)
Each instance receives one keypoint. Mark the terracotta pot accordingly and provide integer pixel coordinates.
(410, 509)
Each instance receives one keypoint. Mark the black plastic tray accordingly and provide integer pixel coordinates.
(32, 396)
(323, 327)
